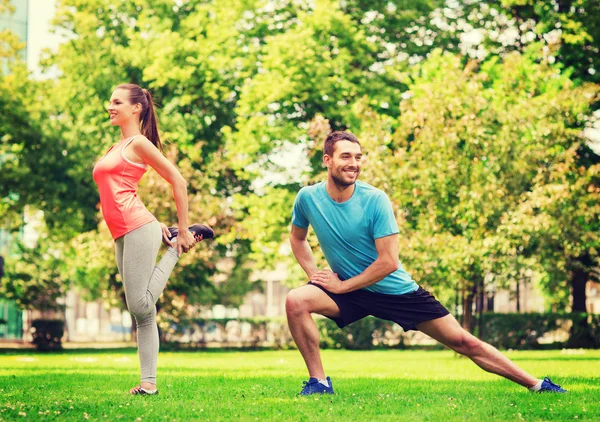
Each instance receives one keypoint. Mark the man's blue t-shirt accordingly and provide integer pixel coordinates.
(347, 231)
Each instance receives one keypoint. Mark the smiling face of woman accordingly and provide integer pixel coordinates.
(120, 109)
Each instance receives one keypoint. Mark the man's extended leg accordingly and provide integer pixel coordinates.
(448, 331)
(299, 304)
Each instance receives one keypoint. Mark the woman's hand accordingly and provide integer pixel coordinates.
(165, 235)
(185, 241)
(147, 153)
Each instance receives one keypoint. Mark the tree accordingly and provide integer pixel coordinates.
(37, 170)
(33, 176)
(462, 141)
(561, 214)
(473, 145)
(489, 156)
(323, 64)
(469, 147)
(208, 64)
(33, 276)
(195, 61)
(569, 25)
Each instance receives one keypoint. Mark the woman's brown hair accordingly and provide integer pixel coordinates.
(148, 119)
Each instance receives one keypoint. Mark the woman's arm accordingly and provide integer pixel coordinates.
(143, 150)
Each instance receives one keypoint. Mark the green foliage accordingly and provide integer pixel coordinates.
(38, 169)
(16, 130)
(6, 7)
(33, 277)
(321, 66)
(90, 265)
(264, 224)
(211, 66)
(570, 28)
(482, 159)
(473, 144)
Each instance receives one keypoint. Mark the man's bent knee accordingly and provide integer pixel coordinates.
(296, 302)
(310, 299)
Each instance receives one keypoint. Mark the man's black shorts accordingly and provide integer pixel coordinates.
(407, 310)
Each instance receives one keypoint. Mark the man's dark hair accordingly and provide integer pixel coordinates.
(333, 137)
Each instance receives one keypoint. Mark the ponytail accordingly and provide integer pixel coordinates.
(148, 119)
(150, 122)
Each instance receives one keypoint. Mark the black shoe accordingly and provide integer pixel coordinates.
(197, 230)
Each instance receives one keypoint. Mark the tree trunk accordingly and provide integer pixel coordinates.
(479, 295)
(580, 335)
(518, 295)
(468, 297)
(579, 279)
(456, 302)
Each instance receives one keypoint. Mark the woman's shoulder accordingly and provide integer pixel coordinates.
(141, 143)
(140, 140)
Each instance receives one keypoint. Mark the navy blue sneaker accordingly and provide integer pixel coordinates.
(313, 386)
(549, 387)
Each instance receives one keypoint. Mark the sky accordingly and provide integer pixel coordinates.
(39, 36)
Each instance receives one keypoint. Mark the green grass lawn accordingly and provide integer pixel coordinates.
(209, 385)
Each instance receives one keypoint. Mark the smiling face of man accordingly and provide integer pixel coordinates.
(344, 163)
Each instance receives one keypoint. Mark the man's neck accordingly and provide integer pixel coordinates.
(339, 193)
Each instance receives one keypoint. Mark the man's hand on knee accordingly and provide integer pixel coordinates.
(328, 280)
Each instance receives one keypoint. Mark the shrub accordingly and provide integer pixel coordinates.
(504, 331)
(365, 334)
(524, 331)
(47, 334)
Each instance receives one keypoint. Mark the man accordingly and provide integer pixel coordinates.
(358, 234)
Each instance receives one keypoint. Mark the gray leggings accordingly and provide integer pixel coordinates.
(144, 282)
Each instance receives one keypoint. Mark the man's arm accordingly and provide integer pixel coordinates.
(385, 264)
(302, 250)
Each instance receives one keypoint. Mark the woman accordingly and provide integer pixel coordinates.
(135, 230)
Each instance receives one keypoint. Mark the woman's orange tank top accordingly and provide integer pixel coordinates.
(117, 178)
